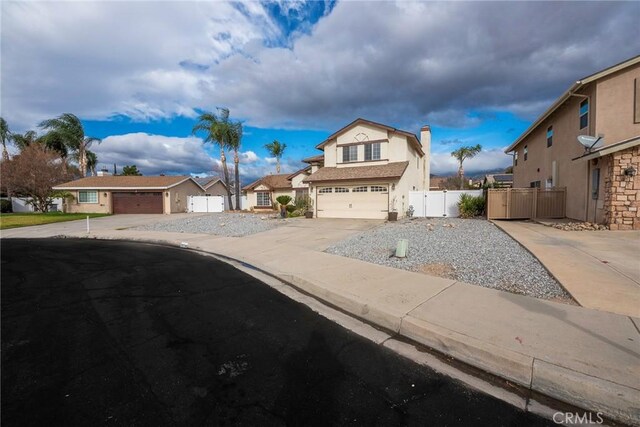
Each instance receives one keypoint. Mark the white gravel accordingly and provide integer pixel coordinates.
(470, 250)
(221, 224)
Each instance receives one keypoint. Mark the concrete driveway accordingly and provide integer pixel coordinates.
(316, 234)
(600, 269)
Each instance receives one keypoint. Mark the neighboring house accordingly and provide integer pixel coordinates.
(603, 184)
(262, 193)
(368, 170)
(212, 186)
(130, 194)
(503, 180)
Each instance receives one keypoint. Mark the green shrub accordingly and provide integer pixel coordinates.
(5, 206)
(470, 206)
(291, 208)
(283, 200)
(294, 214)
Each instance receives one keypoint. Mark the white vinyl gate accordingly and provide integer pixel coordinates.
(206, 203)
(438, 203)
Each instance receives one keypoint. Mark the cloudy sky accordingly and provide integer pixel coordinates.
(139, 72)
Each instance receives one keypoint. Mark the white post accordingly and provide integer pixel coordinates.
(88, 229)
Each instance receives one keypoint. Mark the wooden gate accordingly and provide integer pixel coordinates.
(526, 203)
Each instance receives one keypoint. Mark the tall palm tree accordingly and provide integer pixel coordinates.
(69, 129)
(5, 135)
(235, 141)
(218, 131)
(462, 154)
(276, 149)
(92, 162)
(23, 140)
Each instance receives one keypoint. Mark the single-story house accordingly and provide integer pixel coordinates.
(212, 186)
(367, 171)
(263, 192)
(501, 180)
(130, 194)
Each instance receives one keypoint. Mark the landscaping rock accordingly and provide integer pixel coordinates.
(470, 250)
(579, 226)
(221, 224)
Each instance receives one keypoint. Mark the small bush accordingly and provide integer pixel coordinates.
(294, 214)
(290, 208)
(470, 206)
(5, 206)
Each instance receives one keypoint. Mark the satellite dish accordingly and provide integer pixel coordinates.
(590, 142)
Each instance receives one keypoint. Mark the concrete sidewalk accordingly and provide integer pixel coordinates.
(600, 269)
(587, 358)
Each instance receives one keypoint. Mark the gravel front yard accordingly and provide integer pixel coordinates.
(221, 224)
(470, 250)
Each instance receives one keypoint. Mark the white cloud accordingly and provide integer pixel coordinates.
(398, 62)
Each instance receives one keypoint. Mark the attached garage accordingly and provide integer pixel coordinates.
(137, 202)
(353, 201)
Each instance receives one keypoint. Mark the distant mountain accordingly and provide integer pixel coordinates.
(473, 175)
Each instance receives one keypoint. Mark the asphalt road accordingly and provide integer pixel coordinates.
(115, 333)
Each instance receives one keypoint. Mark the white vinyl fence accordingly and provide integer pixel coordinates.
(22, 204)
(205, 204)
(438, 203)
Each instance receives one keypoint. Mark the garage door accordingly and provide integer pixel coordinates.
(137, 203)
(362, 201)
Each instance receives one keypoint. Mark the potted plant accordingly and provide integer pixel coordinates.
(393, 212)
(283, 201)
(308, 207)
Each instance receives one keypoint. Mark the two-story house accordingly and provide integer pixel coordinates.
(602, 182)
(367, 171)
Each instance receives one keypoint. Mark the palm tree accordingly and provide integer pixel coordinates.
(23, 140)
(218, 130)
(276, 149)
(5, 135)
(92, 162)
(462, 154)
(234, 143)
(68, 129)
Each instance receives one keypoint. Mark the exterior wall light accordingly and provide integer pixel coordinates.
(630, 171)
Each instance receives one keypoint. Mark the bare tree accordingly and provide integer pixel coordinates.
(33, 173)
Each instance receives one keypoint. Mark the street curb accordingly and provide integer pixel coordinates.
(617, 402)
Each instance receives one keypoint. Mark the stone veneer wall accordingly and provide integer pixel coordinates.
(622, 193)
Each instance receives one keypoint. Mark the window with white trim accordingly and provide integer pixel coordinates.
(87, 196)
(350, 153)
(372, 151)
(342, 190)
(378, 189)
(325, 190)
(360, 190)
(549, 136)
(263, 198)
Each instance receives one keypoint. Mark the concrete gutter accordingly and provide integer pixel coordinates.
(586, 358)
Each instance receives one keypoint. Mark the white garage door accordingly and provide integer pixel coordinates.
(362, 201)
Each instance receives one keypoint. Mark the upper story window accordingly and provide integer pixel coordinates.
(87, 196)
(584, 114)
(549, 136)
(372, 151)
(515, 158)
(350, 153)
(526, 153)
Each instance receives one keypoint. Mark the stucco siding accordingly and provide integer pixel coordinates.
(217, 189)
(178, 196)
(615, 106)
(103, 205)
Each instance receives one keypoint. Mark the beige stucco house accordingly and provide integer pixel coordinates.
(603, 183)
(212, 186)
(367, 170)
(130, 194)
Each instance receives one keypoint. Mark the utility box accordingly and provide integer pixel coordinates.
(402, 248)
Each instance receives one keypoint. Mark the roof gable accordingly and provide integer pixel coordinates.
(272, 182)
(411, 137)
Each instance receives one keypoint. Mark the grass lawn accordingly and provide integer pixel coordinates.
(13, 220)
